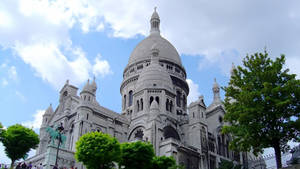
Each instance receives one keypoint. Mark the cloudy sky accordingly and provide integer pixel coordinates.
(45, 42)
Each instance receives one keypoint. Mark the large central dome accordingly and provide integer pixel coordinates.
(143, 50)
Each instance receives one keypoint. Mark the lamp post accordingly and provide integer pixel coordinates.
(59, 130)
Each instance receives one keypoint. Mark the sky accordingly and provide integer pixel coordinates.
(45, 42)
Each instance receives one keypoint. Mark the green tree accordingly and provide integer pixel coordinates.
(97, 150)
(163, 162)
(262, 104)
(1, 131)
(224, 164)
(17, 141)
(136, 155)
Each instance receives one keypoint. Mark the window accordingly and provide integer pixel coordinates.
(171, 106)
(124, 105)
(138, 105)
(87, 116)
(151, 100)
(184, 101)
(167, 105)
(130, 98)
(193, 115)
(178, 100)
(142, 104)
(139, 67)
(157, 99)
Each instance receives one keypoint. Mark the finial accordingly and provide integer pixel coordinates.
(50, 104)
(94, 78)
(155, 9)
(67, 82)
(215, 80)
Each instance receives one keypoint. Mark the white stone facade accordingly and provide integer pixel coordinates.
(154, 108)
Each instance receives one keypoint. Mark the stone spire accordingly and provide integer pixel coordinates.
(86, 86)
(49, 110)
(94, 85)
(216, 91)
(232, 68)
(155, 21)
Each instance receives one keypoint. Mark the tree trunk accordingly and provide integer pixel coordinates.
(12, 164)
(277, 155)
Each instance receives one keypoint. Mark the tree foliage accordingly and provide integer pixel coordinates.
(17, 141)
(1, 131)
(262, 104)
(163, 162)
(137, 154)
(224, 164)
(97, 150)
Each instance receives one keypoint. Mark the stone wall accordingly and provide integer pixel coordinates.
(297, 166)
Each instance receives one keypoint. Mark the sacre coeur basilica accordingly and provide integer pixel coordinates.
(154, 108)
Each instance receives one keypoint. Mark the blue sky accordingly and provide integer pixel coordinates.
(45, 42)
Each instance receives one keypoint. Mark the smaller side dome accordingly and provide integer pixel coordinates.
(217, 99)
(90, 88)
(154, 76)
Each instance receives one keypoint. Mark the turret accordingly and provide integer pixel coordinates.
(197, 111)
(88, 93)
(43, 134)
(47, 115)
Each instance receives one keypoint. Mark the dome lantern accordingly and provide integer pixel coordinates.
(155, 21)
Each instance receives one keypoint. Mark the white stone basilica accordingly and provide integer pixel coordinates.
(154, 109)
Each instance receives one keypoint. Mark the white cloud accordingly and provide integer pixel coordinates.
(21, 96)
(194, 91)
(12, 73)
(53, 66)
(220, 33)
(293, 64)
(4, 82)
(101, 67)
(37, 120)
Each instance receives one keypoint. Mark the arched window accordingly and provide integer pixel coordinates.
(142, 104)
(89, 98)
(178, 100)
(170, 132)
(193, 115)
(167, 105)
(130, 98)
(87, 116)
(124, 105)
(157, 99)
(151, 100)
(184, 101)
(138, 105)
(84, 97)
(171, 106)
